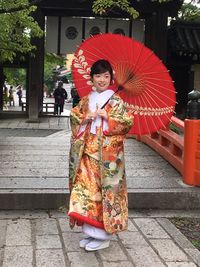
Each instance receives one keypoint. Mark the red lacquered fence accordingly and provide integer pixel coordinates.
(181, 150)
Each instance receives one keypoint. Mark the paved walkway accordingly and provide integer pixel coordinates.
(50, 122)
(34, 163)
(43, 239)
(39, 238)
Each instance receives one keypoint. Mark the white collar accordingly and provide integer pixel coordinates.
(99, 99)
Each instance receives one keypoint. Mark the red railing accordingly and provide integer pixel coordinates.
(180, 148)
(191, 163)
(168, 144)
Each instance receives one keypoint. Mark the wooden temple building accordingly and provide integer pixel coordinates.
(183, 60)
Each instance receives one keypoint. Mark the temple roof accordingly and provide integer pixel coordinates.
(184, 39)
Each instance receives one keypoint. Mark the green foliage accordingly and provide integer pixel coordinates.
(196, 243)
(189, 12)
(16, 29)
(15, 76)
(103, 7)
(189, 228)
(50, 63)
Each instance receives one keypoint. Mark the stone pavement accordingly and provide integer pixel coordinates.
(44, 239)
(30, 154)
(46, 122)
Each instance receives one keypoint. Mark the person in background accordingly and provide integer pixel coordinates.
(97, 181)
(19, 93)
(45, 90)
(11, 96)
(60, 96)
(75, 96)
(5, 97)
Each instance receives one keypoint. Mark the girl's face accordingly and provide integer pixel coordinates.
(102, 81)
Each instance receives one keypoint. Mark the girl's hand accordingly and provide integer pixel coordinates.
(91, 116)
(102, 113)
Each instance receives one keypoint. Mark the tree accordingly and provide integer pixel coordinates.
(15, 76)
(17, 26)
(50, 63)
(190, 11)
(102, 7)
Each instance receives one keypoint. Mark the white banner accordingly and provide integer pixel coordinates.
(119, 26)
(71, 34)
(138, 30)
(94, 26)
(71, 31)
(52, 35)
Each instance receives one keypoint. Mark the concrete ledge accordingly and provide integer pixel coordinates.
(54, 199)
(159, 199)
(33, 200)
(13, 114)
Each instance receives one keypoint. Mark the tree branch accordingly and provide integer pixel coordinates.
(20, 8)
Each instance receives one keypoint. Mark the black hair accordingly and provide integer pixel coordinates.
(101, 66)
(60, 83)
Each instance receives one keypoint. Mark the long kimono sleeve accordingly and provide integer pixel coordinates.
(119, 119)
(77, 116)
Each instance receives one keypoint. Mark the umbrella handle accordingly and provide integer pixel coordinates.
(118, 89)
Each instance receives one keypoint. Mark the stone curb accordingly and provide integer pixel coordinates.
(181, 240)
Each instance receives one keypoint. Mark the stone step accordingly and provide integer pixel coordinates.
(50, 199)
(58, 182)
(52, 193)
(34, 170)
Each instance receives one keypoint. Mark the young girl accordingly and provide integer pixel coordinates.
(98, 192)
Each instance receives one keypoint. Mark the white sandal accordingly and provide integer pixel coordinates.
(97, 244)
(85, 241)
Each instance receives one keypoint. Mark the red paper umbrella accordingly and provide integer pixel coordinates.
(147, 88)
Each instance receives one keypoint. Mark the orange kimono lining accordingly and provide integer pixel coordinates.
(82, 219)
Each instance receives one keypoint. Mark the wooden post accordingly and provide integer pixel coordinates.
(36, 73)
(2, 80)
(156, 33)
(191, 160)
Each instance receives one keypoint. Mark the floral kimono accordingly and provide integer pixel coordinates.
(98, 192)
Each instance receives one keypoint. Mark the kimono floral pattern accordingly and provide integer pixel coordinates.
(97, 179)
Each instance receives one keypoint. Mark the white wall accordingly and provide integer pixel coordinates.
(52, 34)
(68, 46)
